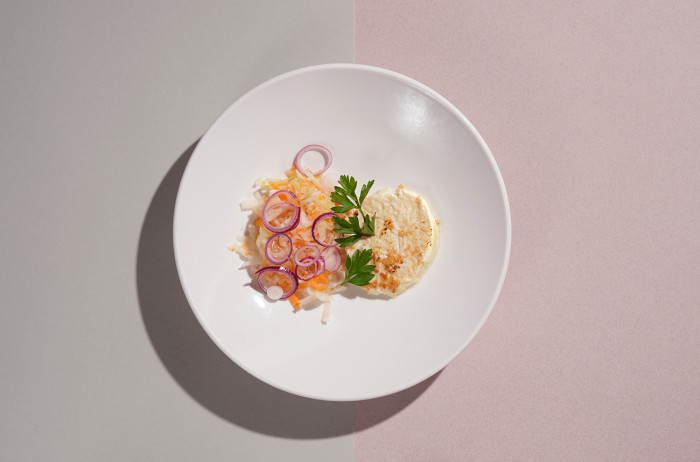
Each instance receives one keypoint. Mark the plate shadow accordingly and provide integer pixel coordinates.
(204, 371)
(374, 411)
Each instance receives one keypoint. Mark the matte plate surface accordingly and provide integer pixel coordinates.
(379, 125)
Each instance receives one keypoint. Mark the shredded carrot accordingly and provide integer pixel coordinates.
(320, 279)
(319, 282)
(278, 184)
(294, 300)
(313, 201)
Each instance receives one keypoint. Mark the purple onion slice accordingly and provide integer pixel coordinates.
(325, 152)
(269, 203)
(306, 255)
(332, 258)
(307, 272)
(280, 273)
(278, 248)
(320, 266)
(319, 229)
(272, 212)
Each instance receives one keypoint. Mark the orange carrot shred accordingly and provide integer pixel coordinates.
(316, 202)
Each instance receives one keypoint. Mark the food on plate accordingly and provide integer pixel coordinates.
(311, 235)
(405, 241)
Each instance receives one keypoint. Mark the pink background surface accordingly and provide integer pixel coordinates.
(592, 112)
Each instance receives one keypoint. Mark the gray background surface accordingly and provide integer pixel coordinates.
(100, 106)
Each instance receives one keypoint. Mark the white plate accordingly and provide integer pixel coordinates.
(379, 125)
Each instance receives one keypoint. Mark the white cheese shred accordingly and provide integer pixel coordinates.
(326, 315)
(274, 292)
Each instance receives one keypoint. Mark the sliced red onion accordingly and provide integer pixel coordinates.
(270, 213)
(315, 232)
(283, 273)
(306, 272)
(278, 257)
(314, 269)
(325, 152)
(332, 258)
(320, 266)
(306, 255)
(278, 193)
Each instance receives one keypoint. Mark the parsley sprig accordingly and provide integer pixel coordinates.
(357, 271)
(347, 199)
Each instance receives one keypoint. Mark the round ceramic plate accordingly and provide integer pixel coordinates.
(379, 125)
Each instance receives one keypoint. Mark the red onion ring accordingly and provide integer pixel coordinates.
(284, 228)
(304, 274)
(314, 234)
(307, 272)
(277, 193)
(281, 271)
(278, 259)
(306, 260)
(325, 152)
(321, 266)
(331, 258)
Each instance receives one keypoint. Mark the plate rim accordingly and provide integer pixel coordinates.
(447, 105)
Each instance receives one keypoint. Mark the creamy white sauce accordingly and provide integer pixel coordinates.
(405, 242)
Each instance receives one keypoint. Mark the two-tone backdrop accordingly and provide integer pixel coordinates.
(591, 110)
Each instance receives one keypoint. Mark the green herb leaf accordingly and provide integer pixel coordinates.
(342, 226)
(348, 240)
(345, 196)
(363, 258)
(365, 190)
(348, 184)
(345, 203)
(355, 223)
(369, 225)
(358, 272)
(361, 279)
